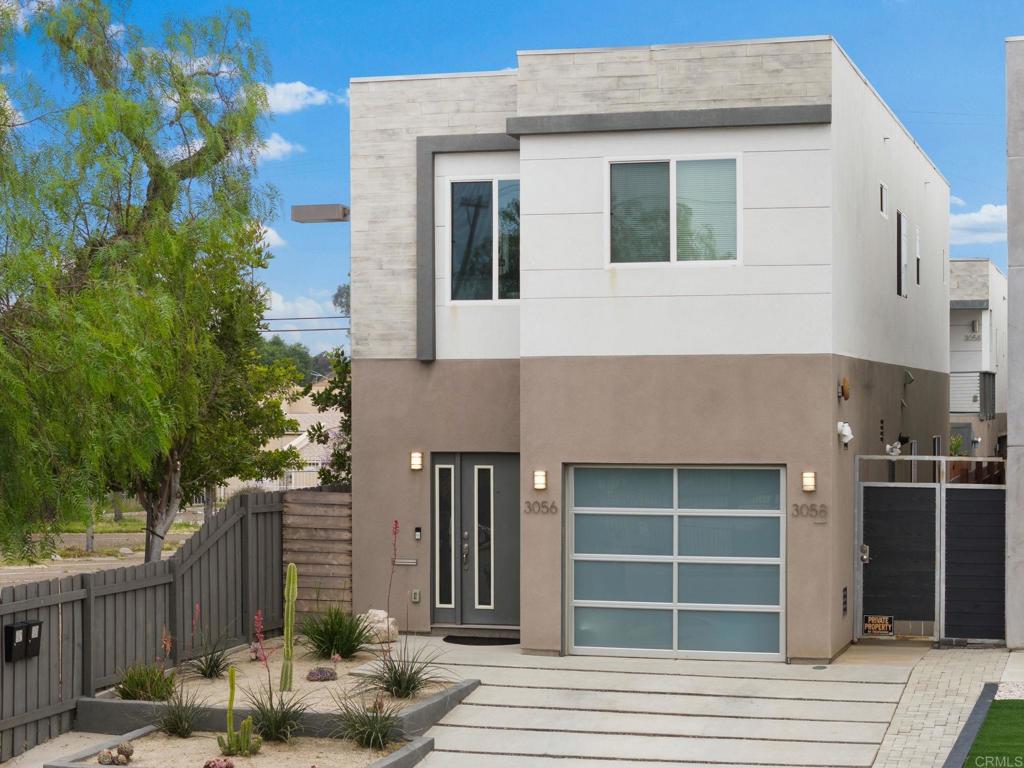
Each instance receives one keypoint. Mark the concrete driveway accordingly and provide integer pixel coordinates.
(597, 712)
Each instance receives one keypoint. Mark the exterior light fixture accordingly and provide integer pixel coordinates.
(810, 482)
(416, 461)
(540, 479)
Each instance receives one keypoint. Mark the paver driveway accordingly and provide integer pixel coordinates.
(590, 712)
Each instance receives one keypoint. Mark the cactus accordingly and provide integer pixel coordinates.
(291, 591)
(105, 757)
(126, 749)
(241, 742)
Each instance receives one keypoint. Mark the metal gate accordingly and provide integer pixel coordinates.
(929, 559)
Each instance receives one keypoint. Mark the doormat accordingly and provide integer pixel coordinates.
(474, 640)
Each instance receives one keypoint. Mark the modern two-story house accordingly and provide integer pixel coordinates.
(977, 356)
(622, 319)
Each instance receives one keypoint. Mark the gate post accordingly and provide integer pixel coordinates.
(88, 608)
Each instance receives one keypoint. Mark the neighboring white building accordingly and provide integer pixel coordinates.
(977, 355)
(608, 309)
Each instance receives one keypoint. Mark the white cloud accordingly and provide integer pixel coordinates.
(305, 306)
(985, 225)
(285, 98)
(276, 147)
(271, 238)
(7, 69)
(959, 202)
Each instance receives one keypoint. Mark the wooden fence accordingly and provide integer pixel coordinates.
(96, 624)
(317, 535)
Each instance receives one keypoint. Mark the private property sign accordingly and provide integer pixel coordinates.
(879, 626)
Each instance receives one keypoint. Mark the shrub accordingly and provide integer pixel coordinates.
(335, 631)
(372, 726)
(213, 664)
(179, 714)
(402, 673)
(145, 682)
(276, 717)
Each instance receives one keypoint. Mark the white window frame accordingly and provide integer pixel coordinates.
(495, 245)
(437, 536)
(883, 190)
(476, 536)
(672, 213)
(675, 513)
(903, 251)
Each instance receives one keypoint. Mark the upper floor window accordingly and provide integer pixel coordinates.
(902, 253)
(484, 240)
(883, 200)
(673, 211)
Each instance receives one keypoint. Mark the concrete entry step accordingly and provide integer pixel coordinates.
(659, 703)
(750, 752)
(472, 760)
(583, 721)
(706, 686)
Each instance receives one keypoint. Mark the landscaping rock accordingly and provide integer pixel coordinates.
(382, 628)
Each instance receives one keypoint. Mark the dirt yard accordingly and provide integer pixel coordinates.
(160, 751)
(252, 676)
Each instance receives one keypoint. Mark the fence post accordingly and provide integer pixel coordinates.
(88, 605)
(172, 608)
(248, 582)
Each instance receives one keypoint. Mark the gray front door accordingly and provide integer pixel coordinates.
(475, 538)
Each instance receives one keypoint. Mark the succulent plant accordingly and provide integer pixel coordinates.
(125, 748)
(219, 762)
(105, 757)
(321, 674)
(291, 591)
(243, 741)
(121, 759)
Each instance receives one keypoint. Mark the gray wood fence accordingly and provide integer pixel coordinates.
(97, 624)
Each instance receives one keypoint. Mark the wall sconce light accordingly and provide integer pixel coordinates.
(540, 480)
(810, 482)
(416, 461)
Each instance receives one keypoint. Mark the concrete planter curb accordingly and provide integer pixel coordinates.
(75, 760)
(111, 716)
(962, 747)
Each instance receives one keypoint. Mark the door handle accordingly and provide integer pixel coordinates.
(865, 554)
(465, 555)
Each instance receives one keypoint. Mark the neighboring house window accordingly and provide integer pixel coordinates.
(987, 391)
(673, 211)
(485, 240)
(902, 253)
(917, 252)
(883, 200)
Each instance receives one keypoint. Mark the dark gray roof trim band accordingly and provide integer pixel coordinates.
(426, 148)
(726, 117)
(968, 304)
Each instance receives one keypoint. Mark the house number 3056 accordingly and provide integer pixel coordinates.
(540, 508)
(817, 512)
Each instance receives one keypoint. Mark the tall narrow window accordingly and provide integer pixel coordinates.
(484, 536)
(444, 526)
(883, 200)
(508, 239)
(902, 253)
(472, 240)
(639, 212)
(706, 210)
(917, 253)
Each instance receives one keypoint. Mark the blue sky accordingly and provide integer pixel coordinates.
(938, 63)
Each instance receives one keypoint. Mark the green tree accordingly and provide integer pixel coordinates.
(275, 349)
(129, 322)
(337, 395)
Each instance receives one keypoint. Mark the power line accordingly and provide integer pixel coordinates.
(311, 317)
(302, 330)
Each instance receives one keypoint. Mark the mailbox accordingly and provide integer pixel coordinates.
(33, 638)
(15, 641)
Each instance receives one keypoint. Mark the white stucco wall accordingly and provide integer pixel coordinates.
(774, 299)
(871, 147)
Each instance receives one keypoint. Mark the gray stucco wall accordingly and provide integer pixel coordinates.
(1015, 416)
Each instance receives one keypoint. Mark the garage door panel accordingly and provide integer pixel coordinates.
(623, 535)
(638, 628)
(623, 582)
(728, 584)
(729, 489)
(617, 487)
(729, 631)
(720, 535)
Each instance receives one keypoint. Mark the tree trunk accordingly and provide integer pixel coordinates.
(211, 495)
(116, 502)
(161, 509)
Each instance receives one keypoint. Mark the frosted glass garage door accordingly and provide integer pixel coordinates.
(685, 561)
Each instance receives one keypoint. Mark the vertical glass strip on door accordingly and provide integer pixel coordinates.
(444, 525)
(483, 514)
(683, 561)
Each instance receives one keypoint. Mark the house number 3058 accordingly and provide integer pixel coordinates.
(817, 512)
(540, 508)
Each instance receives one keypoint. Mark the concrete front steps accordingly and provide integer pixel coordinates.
(583, 712)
